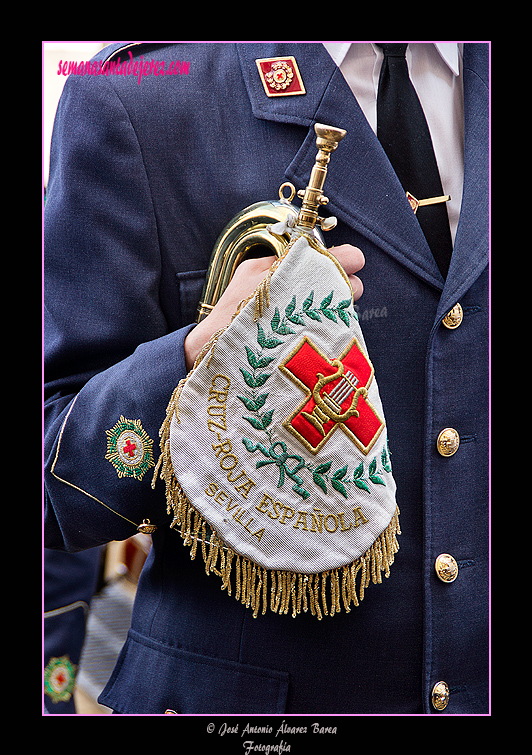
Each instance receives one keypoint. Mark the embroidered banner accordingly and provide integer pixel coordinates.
(275, 449)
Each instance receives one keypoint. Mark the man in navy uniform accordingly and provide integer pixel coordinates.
(149, 160)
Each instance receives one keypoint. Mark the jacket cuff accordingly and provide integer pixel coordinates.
(104, 446)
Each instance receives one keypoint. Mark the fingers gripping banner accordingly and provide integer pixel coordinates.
(275, 450)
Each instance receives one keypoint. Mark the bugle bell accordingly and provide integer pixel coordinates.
(254, 226)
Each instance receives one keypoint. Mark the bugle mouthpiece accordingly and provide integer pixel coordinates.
(328, 136)
(327, 140)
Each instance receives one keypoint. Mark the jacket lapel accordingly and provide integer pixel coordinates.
(471, 250)
(361, 185)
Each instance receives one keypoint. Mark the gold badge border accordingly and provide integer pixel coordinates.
(297, 75)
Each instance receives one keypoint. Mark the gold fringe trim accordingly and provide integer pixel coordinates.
(258, 588)
(283, 592)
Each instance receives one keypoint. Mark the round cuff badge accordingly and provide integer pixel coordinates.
(59, 679)
(129, 448)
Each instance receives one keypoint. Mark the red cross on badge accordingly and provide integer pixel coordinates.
(280, 76)
(336, 396)
(129, 449)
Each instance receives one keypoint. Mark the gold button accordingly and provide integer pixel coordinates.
(440, 696)
(170, 712)
(448, 442)
(454, 317)
(446, 568)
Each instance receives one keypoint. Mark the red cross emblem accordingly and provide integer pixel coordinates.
(336, 396)
(129, 449)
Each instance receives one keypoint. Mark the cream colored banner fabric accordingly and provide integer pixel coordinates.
(277, 438)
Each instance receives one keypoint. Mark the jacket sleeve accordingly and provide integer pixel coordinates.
(110, 364)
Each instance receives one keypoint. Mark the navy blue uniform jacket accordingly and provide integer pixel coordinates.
(143, 178)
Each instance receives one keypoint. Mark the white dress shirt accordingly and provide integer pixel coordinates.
(436, 73)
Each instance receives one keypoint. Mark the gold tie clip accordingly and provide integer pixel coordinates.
(415, 203)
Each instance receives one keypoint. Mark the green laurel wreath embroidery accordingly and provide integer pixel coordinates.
(338, 480)
(277, 452)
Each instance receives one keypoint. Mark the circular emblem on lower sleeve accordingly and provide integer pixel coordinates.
(59, 679)
(129, 448)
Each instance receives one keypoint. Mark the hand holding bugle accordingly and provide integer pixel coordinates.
(236, 269)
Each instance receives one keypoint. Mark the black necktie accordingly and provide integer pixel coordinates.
(403, 132)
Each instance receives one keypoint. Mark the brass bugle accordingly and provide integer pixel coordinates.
(250, 228)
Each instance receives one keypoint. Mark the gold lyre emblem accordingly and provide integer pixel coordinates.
(336, 396)
(328, 406)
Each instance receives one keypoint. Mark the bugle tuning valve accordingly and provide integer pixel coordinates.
(328, 138)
